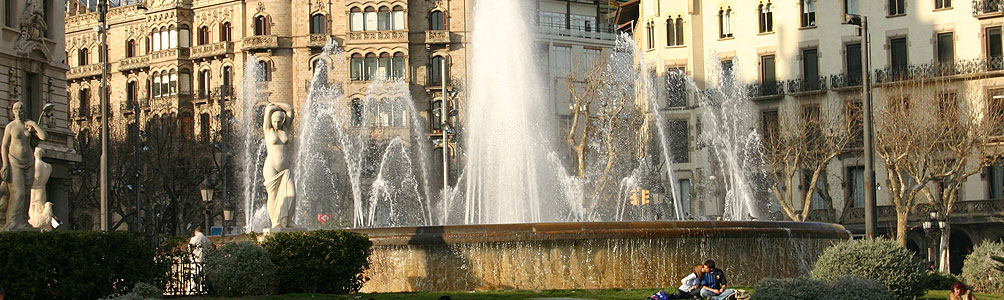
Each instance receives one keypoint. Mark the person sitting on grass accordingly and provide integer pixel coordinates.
(713, 282)
(689, 287)
(959, 291)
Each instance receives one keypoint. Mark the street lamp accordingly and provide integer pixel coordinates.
(207, 197)
(866, 105)
(228, 215)
(929, 229)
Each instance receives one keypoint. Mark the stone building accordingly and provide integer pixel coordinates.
(802, 53)
(33, 71)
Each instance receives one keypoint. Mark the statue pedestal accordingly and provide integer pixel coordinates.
(22, 229)
(268, 231)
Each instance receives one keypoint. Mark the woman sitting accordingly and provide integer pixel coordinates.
(960, 292)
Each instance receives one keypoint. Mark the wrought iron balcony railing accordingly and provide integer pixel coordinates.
(766, 89)
(802, 85)
(959, 67)
(844, 80)
(987, 7)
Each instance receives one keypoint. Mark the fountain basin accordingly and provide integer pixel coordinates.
(595, 255)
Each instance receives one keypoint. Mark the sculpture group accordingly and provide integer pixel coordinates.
(24, 174)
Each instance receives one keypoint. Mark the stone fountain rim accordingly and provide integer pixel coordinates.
(525, 232)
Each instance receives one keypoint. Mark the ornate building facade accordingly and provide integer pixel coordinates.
(33, 71)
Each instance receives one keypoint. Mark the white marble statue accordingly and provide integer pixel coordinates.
(18, 169)
(40, 210)
(277, 174)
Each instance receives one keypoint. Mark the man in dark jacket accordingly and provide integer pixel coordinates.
(713, 282)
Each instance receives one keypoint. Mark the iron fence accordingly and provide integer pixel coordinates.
(185, 276)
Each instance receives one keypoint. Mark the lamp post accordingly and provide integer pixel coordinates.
(228, 215)
(224, 122)
(207, 197)
(102, 53)
(866, 105)
(929, 229)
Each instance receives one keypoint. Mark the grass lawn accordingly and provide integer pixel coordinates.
(609, 294)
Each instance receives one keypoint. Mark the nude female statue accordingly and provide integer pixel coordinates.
(18, 169)
(278, 177)
(40, 211)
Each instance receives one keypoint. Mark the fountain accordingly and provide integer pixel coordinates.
(518, 218)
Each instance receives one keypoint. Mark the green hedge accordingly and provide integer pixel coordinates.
(803, 288)
(322, 261)
(980, 271)
(73, 265)
(239, 269)
(881, 260)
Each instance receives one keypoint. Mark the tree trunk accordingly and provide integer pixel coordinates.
(901, 215)
(944, 259)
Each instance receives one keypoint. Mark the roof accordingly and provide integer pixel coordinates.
(627, 14)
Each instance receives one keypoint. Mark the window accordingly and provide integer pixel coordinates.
(398, 66)
(261, 25)
(156, 40)
(725, 23)
(810, 68)
(356, 66)
(680, 137)
(897, 52)
(204, 84)
(853, 110)
(186, 125)
(939, 4)
(676, 87)
(102, 54)
(852, 56)
(995, 105)
(683, 186)
(355, 19)
(8, 12)
(203, 35)
(811, 119)
(436, 110)
(266, 70)
(397, 18)
(591, 59)
(82, 56)
(173, 86)
(384, 66)
(165, 40)
(383, 19)
(371, 67)
(727, 66)
(225, 30)
(204, 127)
(897, 7)
(851, 7)
(317, 24)
(226, 77)
(562, 61)
(994, 51)
(650, 29)
(817, 201)
(173, 38)
(130, 94)
(357, 113)
(808, 13)
(370, 19)
(436, 70)
(946, 48)
(995, 180)
(856, 186)
(674, 32)
(767, 74)
(83, 102)
(766, 17)
(156, 84)
(147, 40)
(679, 31)
(436, 21)
(131, 48)
(185, 82)
(948, 108)
(769, 124)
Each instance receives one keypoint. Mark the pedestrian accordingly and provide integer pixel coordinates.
(959, 291)
(199, 244)
(714, 283)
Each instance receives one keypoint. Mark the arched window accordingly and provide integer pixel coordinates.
(173, 87)
(173, 37)
(397, 18)
(371, 67)
(130, 94)
(261, 25)
(317, 24)
(130, 48)
(385, 66)
(679, 31)
(766, 17)
(82, 57)
(225, 30)
(436, 111)
(386, 113)
(149, 89)
(186, 125)
(204, 84)
(185, 36)
(397, 71)
(357, 113)
(356, 19)
(148, 45)
(83, 102)
(165, 83)
(436, 71)
(156, 40)
(436, 21)
(227, 76)
(400, 117)
(356, 66)
(370, 19)
(185, 82)
(725, 23)
(383, 18)
(165, 40)
(808, 13)
(203, 35)
(156, 84)
(670, 32)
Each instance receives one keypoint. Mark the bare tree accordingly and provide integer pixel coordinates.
(804, 140)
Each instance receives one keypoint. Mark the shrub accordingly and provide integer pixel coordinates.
(803, 288)
(72, 264)
(881, 260)
(322, 261)
(979, 270)
(938, 281)
(239, 269)
(788, 288)
(142, 291)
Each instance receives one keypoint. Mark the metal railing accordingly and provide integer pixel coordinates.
(985, 7)
(185, 276)
(959, 67)
(766, 89)
(591, 32)
(802, 85)
(844, 80)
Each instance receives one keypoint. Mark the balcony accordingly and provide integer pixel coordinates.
(80, 113)
(766, 90)
(134, 63)
(987, 8)
(212, 50)
(261, 42)
(376, 37)
(975, 211)
(126, 108)
(437, 37)
(91, 70)
(803, 85)
(318, 40)
(607, 34)
(845, 80)
(957, 68)
(170, 54)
